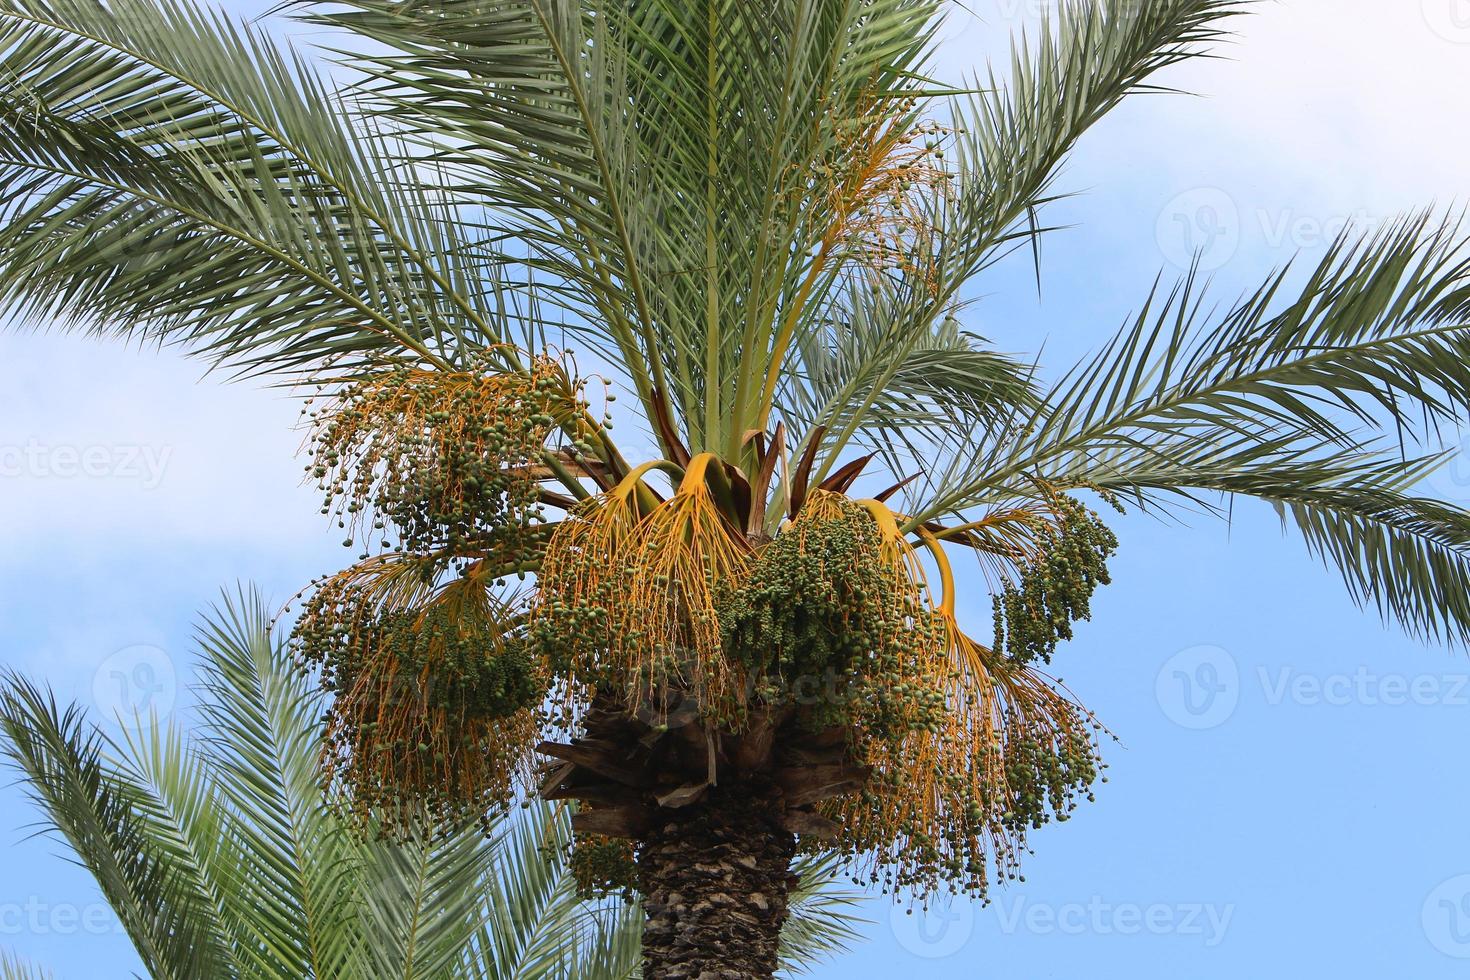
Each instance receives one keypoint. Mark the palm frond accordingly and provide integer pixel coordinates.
(895, 346)
(295, 884)
(177, 800)
(636, 147)
(422, 904)
(1010, 141)
(885, 380)
(159, 902)
(1407, 556)
(222, 858)
(540, 929)
(170, 173)
(822, 921)
(1326, 401)
(1086, 57)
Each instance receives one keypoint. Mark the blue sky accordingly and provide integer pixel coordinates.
(1288, 792)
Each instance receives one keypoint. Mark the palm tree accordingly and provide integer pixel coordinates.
(761, 220)
(220, 859)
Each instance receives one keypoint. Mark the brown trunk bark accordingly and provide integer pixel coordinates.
(715, 877)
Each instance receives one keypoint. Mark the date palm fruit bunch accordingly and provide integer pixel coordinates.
(435, 691)
(938, 753)
(815, 653)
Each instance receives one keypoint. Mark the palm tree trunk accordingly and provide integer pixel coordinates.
(715, 877)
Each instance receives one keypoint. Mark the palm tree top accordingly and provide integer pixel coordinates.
(763, 222)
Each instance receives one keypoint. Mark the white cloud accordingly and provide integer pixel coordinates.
(1357, 101)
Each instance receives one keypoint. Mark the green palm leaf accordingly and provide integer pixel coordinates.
(160, 902)
(1085, 57)
(222, 859)
(1328, 403)
(173, 174)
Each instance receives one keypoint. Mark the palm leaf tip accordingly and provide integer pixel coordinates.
(1315, 398)
(12, 967)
